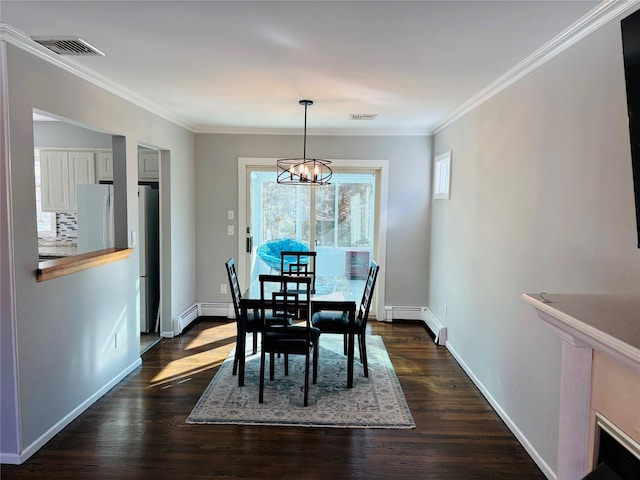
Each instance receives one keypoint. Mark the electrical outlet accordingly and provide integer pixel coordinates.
(230, 230)
(223, 288)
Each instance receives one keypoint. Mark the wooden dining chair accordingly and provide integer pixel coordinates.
(332, 321)
(280, 297)
(299, 264)
(251, 321)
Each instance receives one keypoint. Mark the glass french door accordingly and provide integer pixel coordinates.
(338, 221)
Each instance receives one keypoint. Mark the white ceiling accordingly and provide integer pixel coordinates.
(243, 66)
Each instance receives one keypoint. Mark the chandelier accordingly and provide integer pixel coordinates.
(304, 171)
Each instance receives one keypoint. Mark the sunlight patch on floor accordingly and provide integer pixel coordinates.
(179, 370)
(217, 332)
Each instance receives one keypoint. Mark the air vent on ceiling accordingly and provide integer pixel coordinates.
(68, 46)
(363, 116)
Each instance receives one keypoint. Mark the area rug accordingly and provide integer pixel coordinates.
(373, 402)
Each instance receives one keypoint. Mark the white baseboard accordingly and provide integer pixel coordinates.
(58, 427)
(435, 325)
(546, 469)
(10, 459)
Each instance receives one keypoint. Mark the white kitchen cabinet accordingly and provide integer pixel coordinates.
(104, 166)
(54, 180)
(61, 171)
(148, 165)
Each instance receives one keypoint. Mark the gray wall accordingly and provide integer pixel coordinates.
(542, 200)
(62, 135)
(59, 334)
(408, 203)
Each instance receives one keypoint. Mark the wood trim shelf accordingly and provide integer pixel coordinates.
(51, 269)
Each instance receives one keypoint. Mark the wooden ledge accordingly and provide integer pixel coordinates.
(68, 265)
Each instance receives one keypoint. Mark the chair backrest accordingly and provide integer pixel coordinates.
(281, 296)
(367, 295)
(299, 264)
(234, 285)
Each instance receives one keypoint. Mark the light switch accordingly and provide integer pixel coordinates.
(230, 215)
(230, 230)
(133, 238)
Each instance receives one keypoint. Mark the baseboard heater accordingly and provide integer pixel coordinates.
(435, 325)
(200, 309)
(220, 309)
(184, 319)
(423, 314)
(399, 312)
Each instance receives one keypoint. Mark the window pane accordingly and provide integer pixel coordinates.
(356, 213)
(325, 216)
(281, 211)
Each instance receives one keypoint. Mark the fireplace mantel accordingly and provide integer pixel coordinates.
(608, 324)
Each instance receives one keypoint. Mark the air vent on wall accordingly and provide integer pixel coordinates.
(68, 46)
(363, 116)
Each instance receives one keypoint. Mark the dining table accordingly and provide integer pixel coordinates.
(326, 299)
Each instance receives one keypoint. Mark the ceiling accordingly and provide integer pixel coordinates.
(240, 66)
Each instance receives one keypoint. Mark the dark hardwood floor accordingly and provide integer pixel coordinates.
(138, 430)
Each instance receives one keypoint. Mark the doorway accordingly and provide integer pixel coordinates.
(345, 222)
(148, 243)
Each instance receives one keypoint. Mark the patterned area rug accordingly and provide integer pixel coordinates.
(374, 402)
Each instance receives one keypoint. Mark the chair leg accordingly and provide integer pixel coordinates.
(306, 380)
(272, 365)
(345, 342)
(255, 342)
(262, 361)
(363, 353)
(286, 364)
(316, 355)
(236, 360)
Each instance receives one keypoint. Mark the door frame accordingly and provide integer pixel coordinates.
(380, 252)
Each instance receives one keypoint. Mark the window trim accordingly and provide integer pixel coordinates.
(442, 176)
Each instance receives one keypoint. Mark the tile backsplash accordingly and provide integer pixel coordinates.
(66, 229)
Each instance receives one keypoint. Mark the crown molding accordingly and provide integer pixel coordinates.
(596, 18)
(21, 40)
(313, 132)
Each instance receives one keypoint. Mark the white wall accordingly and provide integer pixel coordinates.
(61, 332)
(542, 200)
(408, 203)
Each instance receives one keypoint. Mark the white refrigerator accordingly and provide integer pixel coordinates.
(95, 217)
